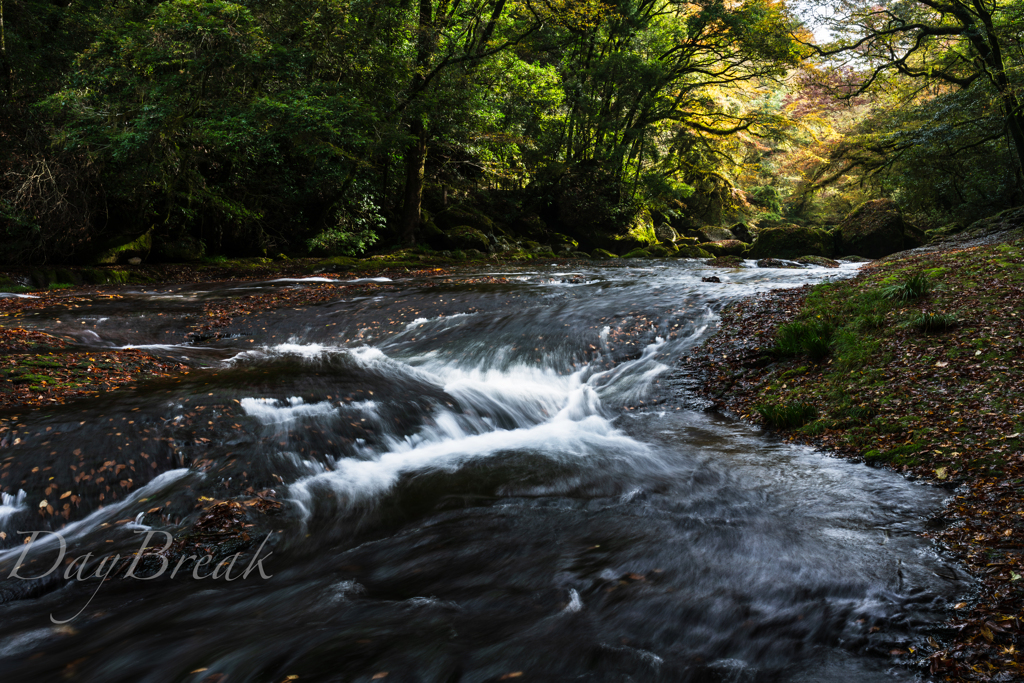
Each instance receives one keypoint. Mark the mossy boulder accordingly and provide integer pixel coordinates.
(742, 232)
(687, 251)
(775, 263)
(792, 241)
(121, 251)
(461, 216)
(637, 253)
(666, 234)
(1010, 219)
(726, 262)
(913, 236)
(726, 247)
(467, 237)
(660, 251)
(601, 254)
(715, 234)
(874, 229)
(818, 261)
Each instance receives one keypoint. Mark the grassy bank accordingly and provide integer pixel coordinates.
(918, 365)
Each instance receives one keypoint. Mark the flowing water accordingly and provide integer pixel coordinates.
(479, 480)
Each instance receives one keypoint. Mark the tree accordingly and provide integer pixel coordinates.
(953, 42)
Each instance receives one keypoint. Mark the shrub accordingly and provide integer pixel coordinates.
(787, 415)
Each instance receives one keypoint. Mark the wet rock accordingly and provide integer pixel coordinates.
(726, 262)
(792, 241)
(687, 251)
(818, 261)
(775, 263)
(874, 229)
(710, 278)
(726, 248)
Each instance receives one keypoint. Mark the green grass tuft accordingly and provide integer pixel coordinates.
(914, 287)
(787, 415)
(812, 338)
(928, 322)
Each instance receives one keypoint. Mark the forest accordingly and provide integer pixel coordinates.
(190, 129)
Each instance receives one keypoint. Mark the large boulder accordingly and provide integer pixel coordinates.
(726, 247)
(713, 234)
(666, 234)
(692, 252)
(466, 237)
(120, 251)
(874, 229)
(792, 241)
(913, 236)
(742, 232)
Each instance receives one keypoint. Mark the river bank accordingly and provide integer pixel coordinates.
(916, 365)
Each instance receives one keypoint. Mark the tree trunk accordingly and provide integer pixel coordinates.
(5, 64)
(415, 163)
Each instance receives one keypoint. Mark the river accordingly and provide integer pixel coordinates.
(493, 476)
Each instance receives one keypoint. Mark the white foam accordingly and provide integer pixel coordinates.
(106, 515)
(305, 279)
(274, 411)
(11, 504)
(11, 295)
(369, 279)
(575, 603)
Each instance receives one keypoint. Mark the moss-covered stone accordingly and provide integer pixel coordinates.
(775, 263)
(792, 241)
(726, 262)
(818, 261)
(660, 251)
(467, 237)
(742, 232)
(601, 254)
(140, 247)
(637, 253)
(688, 251)
(715, 234)
(726, 248)
(874, 229)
